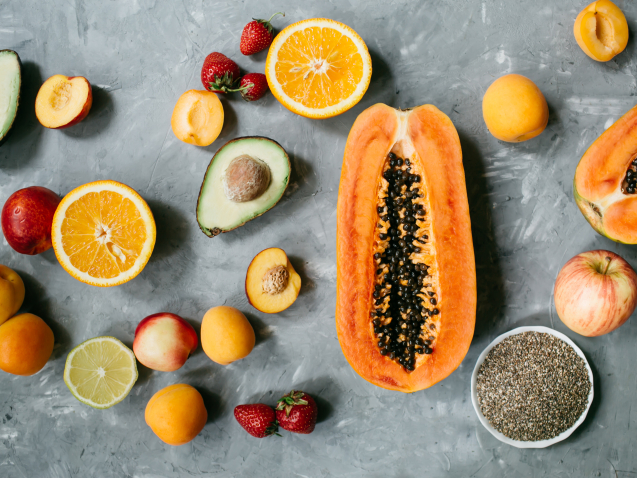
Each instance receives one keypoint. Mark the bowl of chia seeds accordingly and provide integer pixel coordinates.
(532, 387)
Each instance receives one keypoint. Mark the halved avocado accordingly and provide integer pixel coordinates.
(10, 83)
(244, 179)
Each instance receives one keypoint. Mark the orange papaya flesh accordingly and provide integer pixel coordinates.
(605, 180)
(406, 286)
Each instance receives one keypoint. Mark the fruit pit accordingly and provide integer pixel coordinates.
(246, 179)
(405, 306)
(275, 280)
(629, 184)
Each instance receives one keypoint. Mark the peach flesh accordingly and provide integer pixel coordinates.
(63, 101)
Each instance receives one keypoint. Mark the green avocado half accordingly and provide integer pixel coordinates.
(216, 211)
(10, 83)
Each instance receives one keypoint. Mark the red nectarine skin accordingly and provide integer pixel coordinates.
(595, 295)
(27, 217)
(164, 341)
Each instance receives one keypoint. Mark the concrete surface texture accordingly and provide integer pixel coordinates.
(140, 55)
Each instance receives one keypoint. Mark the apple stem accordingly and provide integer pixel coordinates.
(608, 259)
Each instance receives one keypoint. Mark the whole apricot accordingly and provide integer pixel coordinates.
(176, 414)
(11, 293)
(514, 109)
(601, 30)
(26, 344)
(226, 335)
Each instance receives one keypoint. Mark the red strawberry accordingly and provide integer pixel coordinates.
(257, 35)
(257, 419)
(297, 412)
(253, 86)
(219, 73)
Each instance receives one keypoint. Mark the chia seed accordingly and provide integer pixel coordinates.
(532, 386)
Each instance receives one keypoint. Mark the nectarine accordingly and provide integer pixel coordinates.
(164, 341)
(27, 217)
(63, 101)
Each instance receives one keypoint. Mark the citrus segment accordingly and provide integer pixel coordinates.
(100, 372)
(103, 233)
(318, 68)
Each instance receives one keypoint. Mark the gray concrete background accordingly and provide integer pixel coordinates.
(140, 56)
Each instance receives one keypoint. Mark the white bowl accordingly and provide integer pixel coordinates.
(474, 393)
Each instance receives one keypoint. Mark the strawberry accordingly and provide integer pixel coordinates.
(257, 35)
(219, 73)
(253, 86)
(258, 419)
(297, 412)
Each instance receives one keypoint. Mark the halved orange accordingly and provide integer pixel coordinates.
(103, 233)
(318, 68)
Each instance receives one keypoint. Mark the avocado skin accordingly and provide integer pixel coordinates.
(17, 101)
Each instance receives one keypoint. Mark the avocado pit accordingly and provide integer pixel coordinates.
(246, 179)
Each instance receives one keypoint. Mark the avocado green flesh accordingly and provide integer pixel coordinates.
(9, 89)
(215, 212)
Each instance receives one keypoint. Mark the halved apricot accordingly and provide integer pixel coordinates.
(198, 117)
(601, 30)
(272, 284)
(63, 101)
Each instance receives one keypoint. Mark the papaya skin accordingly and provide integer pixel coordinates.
(372, 137)
(598, 181)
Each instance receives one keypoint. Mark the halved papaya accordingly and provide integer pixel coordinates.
(605, 183)
(406, 283)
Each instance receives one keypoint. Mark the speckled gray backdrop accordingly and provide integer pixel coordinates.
(140, 55)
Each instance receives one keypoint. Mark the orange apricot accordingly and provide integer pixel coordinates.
(11, 293)
(226, 335)
(601, 30)
(176, 414)
(514, 109)
(26, 344)
(198, 117)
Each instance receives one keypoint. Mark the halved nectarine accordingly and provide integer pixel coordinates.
(601, 30)
(272, 284)
(63, 101)
(198, 117)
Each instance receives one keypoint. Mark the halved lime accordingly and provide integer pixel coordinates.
(100, 372)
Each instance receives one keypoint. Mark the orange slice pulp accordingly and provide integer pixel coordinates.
(103, 233)
(318, 68)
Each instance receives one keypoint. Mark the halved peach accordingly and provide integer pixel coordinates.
(601, 30)
(63, 101)
(272, 284)
(198, 117)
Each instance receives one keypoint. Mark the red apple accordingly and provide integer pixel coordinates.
(595, 293)
(164, 341)
(27, 217)
(63, 101)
